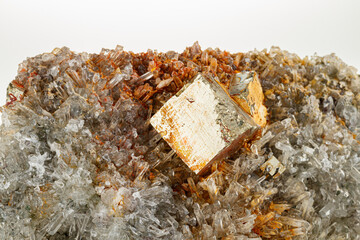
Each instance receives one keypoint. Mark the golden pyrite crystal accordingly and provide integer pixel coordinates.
(202, 123)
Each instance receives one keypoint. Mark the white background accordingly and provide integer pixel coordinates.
(28, 28)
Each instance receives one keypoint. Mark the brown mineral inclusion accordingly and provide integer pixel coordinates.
(202, 123)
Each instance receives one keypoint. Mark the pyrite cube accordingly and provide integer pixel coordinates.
(202, 123)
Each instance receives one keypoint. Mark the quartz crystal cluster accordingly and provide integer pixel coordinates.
(79, 158)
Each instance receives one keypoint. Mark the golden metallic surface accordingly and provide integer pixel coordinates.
(203, 124)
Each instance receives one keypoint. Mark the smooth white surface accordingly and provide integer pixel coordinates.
(28, 28)
(197, 135)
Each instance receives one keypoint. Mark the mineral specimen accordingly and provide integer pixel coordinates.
(202, 124)
(79, 158)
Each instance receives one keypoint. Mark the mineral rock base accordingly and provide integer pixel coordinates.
(79, 158)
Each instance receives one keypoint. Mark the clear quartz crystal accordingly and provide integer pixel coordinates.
(79, 158)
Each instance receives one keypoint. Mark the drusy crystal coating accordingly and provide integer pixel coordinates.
(79, 158)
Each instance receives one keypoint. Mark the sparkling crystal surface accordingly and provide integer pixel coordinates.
(79, 158)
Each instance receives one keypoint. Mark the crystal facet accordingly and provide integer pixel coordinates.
(246, 90)
(202, 124)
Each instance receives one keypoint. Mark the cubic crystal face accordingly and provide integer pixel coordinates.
(202, 123)
(273, 167)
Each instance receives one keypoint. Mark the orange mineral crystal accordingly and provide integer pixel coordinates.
(246, 90)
